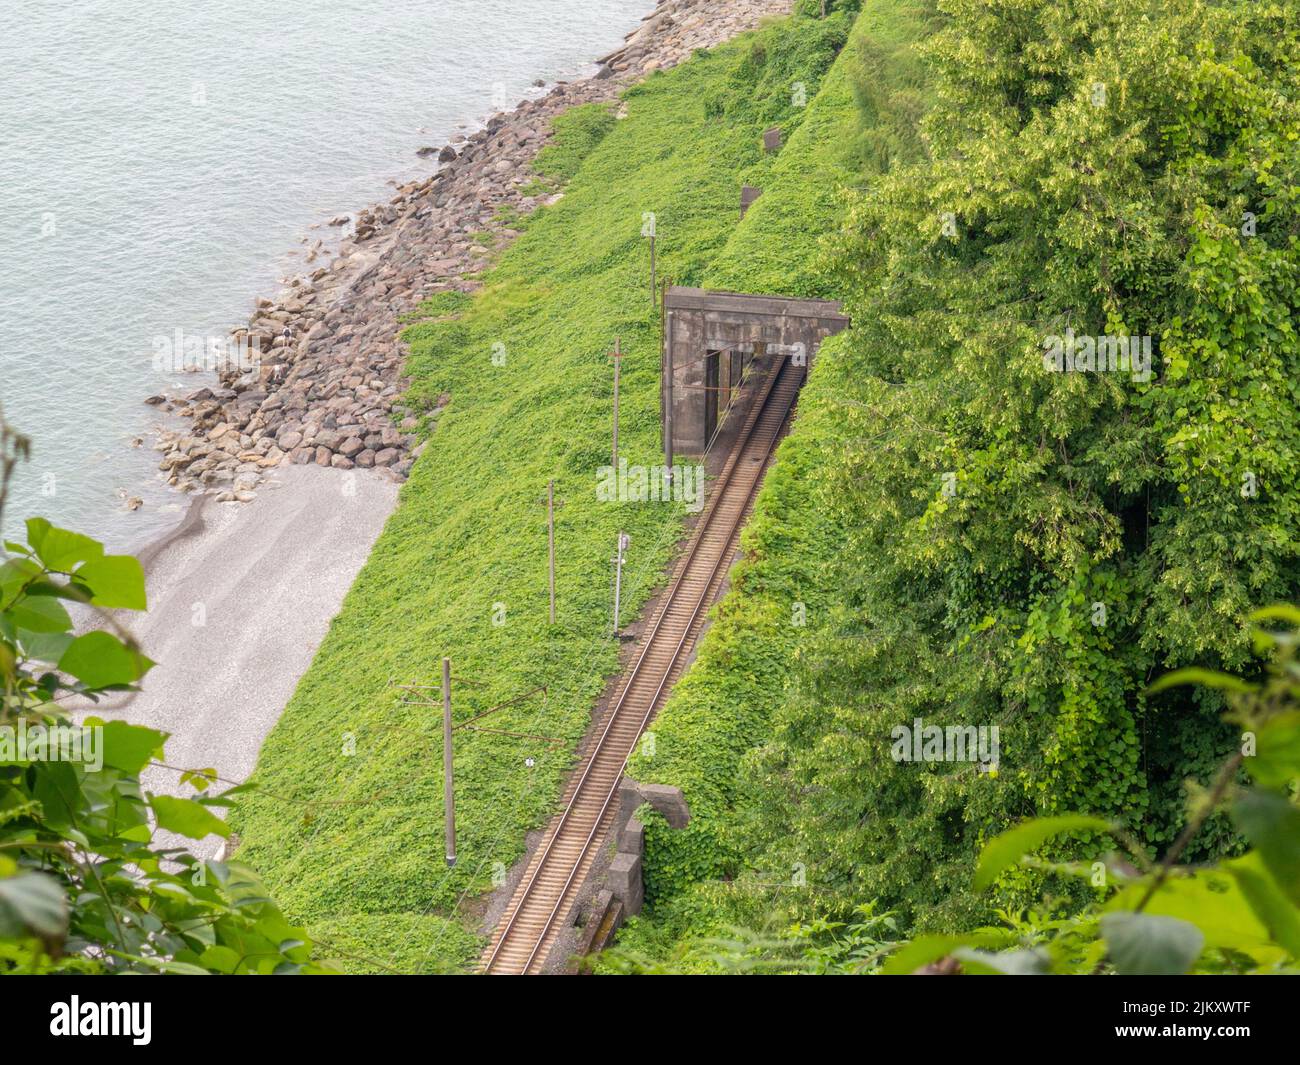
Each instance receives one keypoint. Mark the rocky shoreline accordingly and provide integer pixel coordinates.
(327, 385)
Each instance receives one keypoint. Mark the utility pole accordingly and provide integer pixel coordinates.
(654, 289)
(448, 787)
(618, 577)
(648, 230)
(550, 503)
(618, 358)
(550, 540)
(417, 694)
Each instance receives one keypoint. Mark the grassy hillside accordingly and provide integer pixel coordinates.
(718, 872)
(351, 842)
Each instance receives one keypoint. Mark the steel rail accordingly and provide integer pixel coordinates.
(525, 893)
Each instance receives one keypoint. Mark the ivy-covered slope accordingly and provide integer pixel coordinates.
(1020, 546)
(786, 594)
(346, 822)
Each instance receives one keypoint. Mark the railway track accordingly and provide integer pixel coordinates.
(541, 905)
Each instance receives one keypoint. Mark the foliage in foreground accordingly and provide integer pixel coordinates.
(82, 887)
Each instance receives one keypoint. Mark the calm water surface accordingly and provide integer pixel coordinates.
(160, 164)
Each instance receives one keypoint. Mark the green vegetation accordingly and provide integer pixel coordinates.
(1236, 916)
(786, 589)
(577, 132)
(439, 305)
(527, 385)
(953, 533)
(83, 887)
(957, 532)
(1013, 546)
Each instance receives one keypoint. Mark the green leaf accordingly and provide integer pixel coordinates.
(923, 950)
(101, 660)
(187, 817)
(128, 747)
(115, 581)
(173, 890)
(14, 574)
(1208, 899)
(1005, 850)
(141, 833)
(1272, 823)
(1148, 944)
(70, 591)
(1209, 678)
(39, 614)
(1277, 751)
(220, 959)
(45, 646)
(58, 789)
(1267, 901)
(199, 779)
(60, 549)
(182, 968)
(32, 904)
(1279, 612)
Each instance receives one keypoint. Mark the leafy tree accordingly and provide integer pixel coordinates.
(1030, 546)
(1240, 915)
(82, 885)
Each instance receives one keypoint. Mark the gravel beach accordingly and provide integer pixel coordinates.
(239, 599)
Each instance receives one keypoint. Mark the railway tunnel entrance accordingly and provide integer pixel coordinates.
(716, 344)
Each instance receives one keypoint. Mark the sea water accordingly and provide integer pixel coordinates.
(160, 164)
